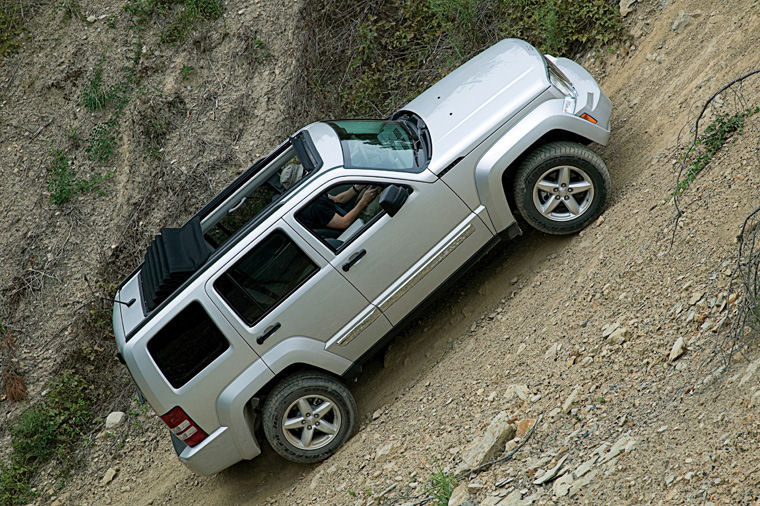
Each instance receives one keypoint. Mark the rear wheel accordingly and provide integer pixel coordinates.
(308, 416)
(561, 187)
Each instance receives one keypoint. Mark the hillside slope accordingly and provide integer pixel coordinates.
(531, 314)
(108, 132)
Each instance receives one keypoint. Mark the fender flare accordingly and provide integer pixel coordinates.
(491, 167)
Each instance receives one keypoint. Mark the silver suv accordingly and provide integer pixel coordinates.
(270, 296)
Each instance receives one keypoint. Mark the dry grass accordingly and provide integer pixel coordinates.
(14, 386)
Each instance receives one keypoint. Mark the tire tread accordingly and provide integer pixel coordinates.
(292, 383)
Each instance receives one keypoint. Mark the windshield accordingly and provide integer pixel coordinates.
(378, 144)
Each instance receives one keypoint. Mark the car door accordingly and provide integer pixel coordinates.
(396, 262)
(285, 298)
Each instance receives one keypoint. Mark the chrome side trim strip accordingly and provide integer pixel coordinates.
(359, 327)
(453, 244)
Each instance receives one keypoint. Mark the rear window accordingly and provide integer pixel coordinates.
(187, 344)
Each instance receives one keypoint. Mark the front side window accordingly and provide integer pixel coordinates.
(342, 212)
(379, 144)
(187, 344)
(264, 277)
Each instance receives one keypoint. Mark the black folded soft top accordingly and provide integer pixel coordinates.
(172, 257)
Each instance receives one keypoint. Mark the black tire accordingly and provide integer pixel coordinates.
(316, 389)
(546, 161)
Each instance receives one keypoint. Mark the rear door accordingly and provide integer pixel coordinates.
(284, 297)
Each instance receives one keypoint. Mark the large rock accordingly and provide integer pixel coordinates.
(568, 404)
(579, 483)
(523, 426)
(755, 399)
(519, 391)
(490, 443)
(626, 6)
(386, 450)
(751, 368)
(109, 476)
(561, 485)
(115, 419)
(678, 349)
(625, 443)
(551, 473)
(515, 499)
(619, 336)
(460, 495)
(681, 21)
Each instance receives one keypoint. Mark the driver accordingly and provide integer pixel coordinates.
(324, 212)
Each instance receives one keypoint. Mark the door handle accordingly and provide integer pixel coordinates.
(353, 259)
(268, 333)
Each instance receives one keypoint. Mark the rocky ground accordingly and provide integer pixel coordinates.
(610, 342)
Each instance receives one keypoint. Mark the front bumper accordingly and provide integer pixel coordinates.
(590, 98)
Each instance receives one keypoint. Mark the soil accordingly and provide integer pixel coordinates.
(533, 313)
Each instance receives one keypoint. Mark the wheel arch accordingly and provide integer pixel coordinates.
(496, 166)
(237, 402)
(508, 176)
(290, 370)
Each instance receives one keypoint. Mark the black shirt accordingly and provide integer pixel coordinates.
(317, 214)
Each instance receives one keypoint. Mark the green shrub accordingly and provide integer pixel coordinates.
(61, 179)
(181, 23)
(186, 70)
(14, 484)
(11, 26)
(63, 183)
(373, 57)
(94, 96)
(47, 430)
(101, 143)
(715, 135)
(71, 10)
(441, 487)
(155, 133)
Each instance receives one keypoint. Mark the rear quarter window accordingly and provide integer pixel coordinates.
(187, 344)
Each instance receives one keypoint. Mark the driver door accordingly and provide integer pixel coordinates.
(396, 262)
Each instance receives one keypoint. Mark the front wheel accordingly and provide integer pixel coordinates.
(561, 187)
(308, 416)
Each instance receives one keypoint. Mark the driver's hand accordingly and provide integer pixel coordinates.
(370, 195)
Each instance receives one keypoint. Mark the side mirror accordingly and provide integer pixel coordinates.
(392, 198)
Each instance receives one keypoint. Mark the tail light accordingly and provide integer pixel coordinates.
(183, 426)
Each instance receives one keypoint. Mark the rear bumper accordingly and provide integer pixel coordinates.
(215, 453)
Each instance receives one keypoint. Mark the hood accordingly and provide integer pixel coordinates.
(464, 107)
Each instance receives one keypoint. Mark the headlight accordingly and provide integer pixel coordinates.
(559, 80)
(563, 84)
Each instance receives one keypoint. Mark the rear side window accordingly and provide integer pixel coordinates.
(264, 277)
(187, 344)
